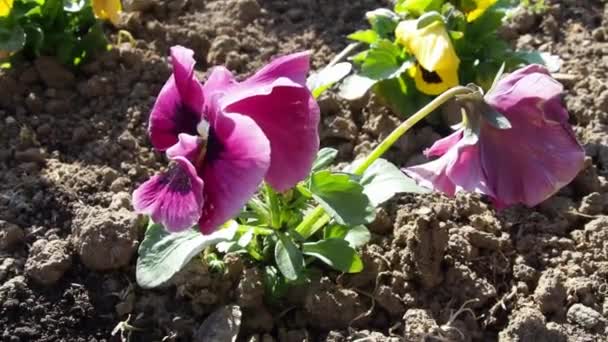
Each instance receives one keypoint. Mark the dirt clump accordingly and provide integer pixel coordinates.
(105, 239)
(529, 324)
(10, 235)
(550, 293)
(48, 261)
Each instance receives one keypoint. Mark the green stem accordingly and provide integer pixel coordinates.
(274, 206)
(260, 208)
(308, 225)
(406, 125)
(256, 230)
(305, 228)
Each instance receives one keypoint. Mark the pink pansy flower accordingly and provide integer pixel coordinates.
(524, 160)
(225, 137)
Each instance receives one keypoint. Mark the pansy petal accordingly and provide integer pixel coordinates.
(173, 199)
(286, 71)
(432, 175)
(509, 94)
(531, 161)
(190, 89)
(465, 170)
(170, 117)
(219, 81)
(294, 67)
(188, 146)
(289, 117)
(238, 157)
(441, 146)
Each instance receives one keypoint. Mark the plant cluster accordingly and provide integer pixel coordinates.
(421, 48)
(247, 176)
(71, 30)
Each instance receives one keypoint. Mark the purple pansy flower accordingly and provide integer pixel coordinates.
(527, 161)
(225, 137)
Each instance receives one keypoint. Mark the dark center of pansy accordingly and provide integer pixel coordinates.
(429, 76)
(211, 145)
(177, 180)
(185, 120)
(214, 146)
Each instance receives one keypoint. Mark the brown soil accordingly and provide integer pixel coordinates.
(73, 146)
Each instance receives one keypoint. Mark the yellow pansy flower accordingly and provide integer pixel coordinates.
(5, 7)
(480, 7)
(107, 10)
(436, 68)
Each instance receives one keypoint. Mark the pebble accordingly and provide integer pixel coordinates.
(584, 316)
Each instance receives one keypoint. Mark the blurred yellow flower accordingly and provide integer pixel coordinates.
(436, 68)
(107, 10)
(5, 7)
(480, 7)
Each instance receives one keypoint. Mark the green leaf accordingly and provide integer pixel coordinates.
(288, 257)
(364, 36)
(429, 18)
(162, 254)
(383, 21)
(336, 253)
(342, 197)
(417, 7)
(356, 236)
(274, 284)
(355, 87)
(319, 82)
(325, 157)
(383, 61)
(382, 180)
(12, 39)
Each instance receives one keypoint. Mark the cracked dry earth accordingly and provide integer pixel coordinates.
(73, 146)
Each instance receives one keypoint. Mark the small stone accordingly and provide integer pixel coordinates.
(127, 140)
(550, 294)
(105, 239)
(592, 204)
(10, 235)
(222, 325)
(48, 261)
(584, 316)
